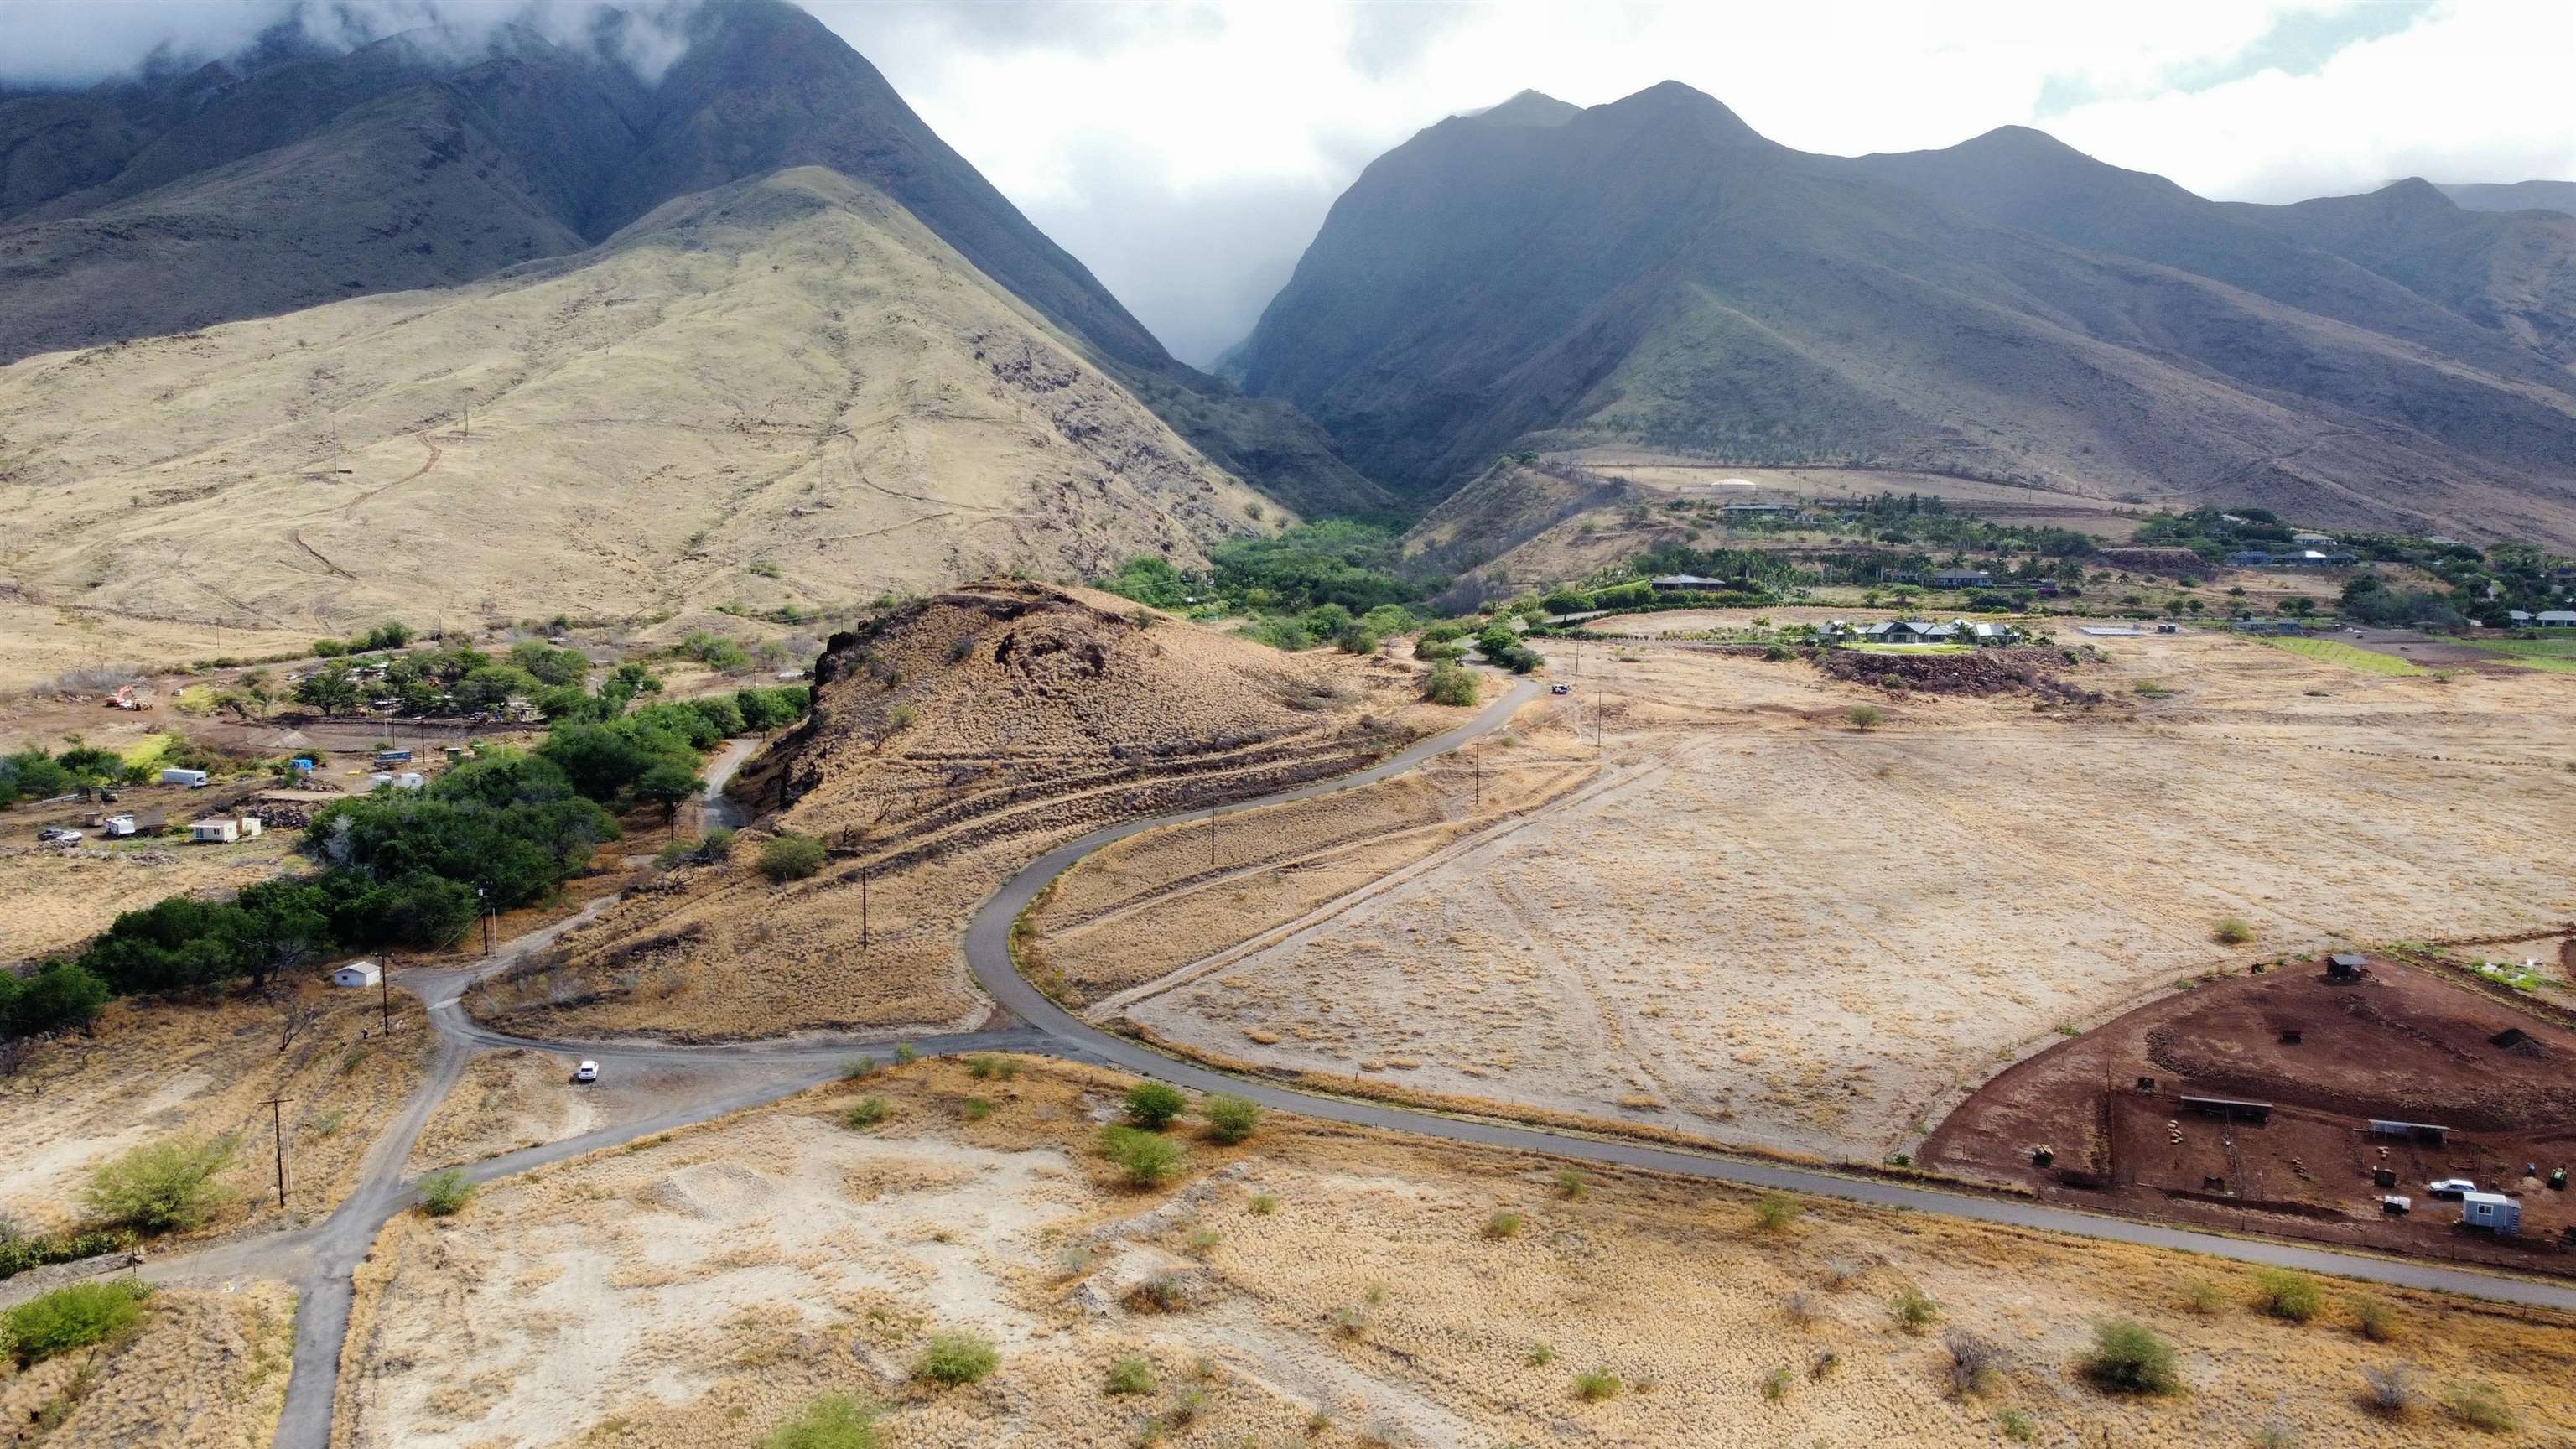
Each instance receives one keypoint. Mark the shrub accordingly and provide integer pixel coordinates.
(1973, 1362)
(1913, 1310)
(2017, 1426)
(1801, 1307)
(1188, 1404)
(1504, 1224)
(1147, 1160)
(1230, 1118)
(1131, 1375)
(160, 1186)
(2377, 1321)
(1263, 1204)
(1153, 1105)
(2231, 931)
(833, 1422)
(2480, 1407)
(985, 1067)
(791, 857)
(1774, 1212)
(2388, 1392)
(2288, 1295)
(905, 1054)
(445, 1192)
(1542, 1353)
(2129, 1358)
(976, 1109)
(858, 1069)
(1775, 1384)
(70, 1318)
(1450, 682)
(2204, 1296)
(1597, 1385)
(1865, 717)
(866, 1112)
(1570, 1183)
(957, 1358)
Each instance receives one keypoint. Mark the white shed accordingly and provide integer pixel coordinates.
(358, 973)
(2490, 1210)
(225, 829)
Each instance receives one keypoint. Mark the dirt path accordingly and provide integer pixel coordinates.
(351, 507)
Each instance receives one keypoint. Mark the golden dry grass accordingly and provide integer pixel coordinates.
(789, 375)
(54, 901)
(1337, 1287)
(1767, 928)
(154, 1070)
(1034, 714)
(204, 1369)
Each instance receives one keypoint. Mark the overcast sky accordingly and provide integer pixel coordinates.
(1188, 150)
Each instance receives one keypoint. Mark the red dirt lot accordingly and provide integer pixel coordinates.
(2399, 1044)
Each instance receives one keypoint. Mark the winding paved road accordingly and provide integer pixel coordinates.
(322, 1258)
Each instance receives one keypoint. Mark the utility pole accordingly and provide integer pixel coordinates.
(277, 1121)
(1211, 834)
(385, 999)
(1480, 774)
(863, 908)
(469, 412)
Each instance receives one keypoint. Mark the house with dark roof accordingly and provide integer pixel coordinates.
(1962, 579)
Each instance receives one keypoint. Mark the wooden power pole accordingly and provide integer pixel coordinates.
(1211, 834)
(277, 1121)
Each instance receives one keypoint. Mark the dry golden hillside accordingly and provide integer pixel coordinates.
(951, 740)
(786, 389)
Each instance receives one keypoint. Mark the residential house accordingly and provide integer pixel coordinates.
(1962, 579)
(1683, 584)
(225, 829)
(358, 973)
(1991, 636)
(2554, 619)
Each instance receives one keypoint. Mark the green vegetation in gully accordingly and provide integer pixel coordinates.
(1334, 582)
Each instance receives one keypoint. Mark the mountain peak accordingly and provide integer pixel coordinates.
(1671, 103)
(1529, 108)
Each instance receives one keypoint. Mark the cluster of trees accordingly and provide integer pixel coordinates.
(1335, 625)
(392, 634)
(408, 868)
(1355, 568)
(31, 774)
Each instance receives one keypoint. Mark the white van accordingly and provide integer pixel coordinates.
(193, 779)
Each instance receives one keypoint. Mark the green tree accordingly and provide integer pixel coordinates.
(1153, 1105)
(330, 689)
(160, 1186)
(791, 857)
(667, 784)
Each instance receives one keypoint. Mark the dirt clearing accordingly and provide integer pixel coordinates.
(1318, 1285)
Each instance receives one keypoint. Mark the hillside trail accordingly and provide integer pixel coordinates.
(350, 508)
(322, 1259)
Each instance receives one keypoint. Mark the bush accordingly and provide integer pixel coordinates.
(1775, 1384)
(1504, 1224)
(2480, 1407)
(1230, 1118)
(445, 1193)
(791, 857)
(2288, 1295)
(2204, 1297)
(985, 1067)
(1148, 1160)
(2017, 1426)
(70, 1318)
(1864, 717)
(1974, 1362)
(2377, 1321)
(2129, 1358)
(2231, 931)
(160, 1186)
(866, 1112)
(1451, 683)
(1131, 1375)
(1597, 1385)
(1153, 1105)
(834, 1422)
(20, 1253)
(1774, 1212)
(60, 997)
(1913, 1310)
(2388, 1392)
(1570, 1183)
(957, 1358)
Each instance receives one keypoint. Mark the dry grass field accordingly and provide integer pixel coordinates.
(1765, 927)
(782, 390)
(949, 744)
(153, 1071)
(205, 1368)
(53, 901)
(1314, 1286)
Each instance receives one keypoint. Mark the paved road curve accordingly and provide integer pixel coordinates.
(322, 1258)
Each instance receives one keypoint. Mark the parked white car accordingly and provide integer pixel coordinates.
(586, 1072)
(57, 835)
(2452, 1187)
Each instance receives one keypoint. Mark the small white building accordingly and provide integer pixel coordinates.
(225, 829)
(193, 779)
(410, 780)
(2490, 1210)
(116, 825)
(358, 973)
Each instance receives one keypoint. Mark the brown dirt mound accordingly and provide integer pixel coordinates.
(1989, 671)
